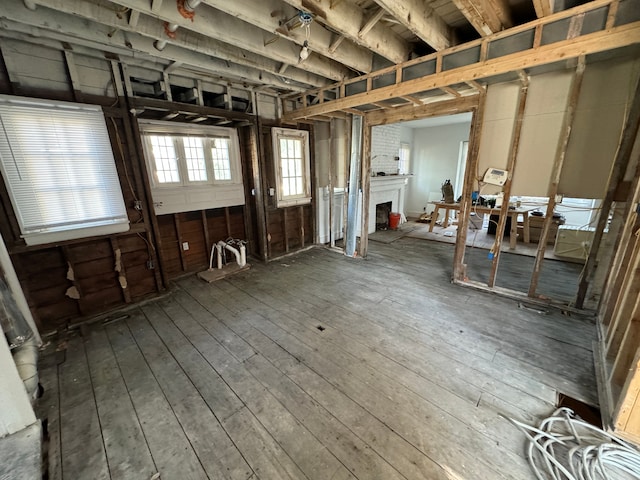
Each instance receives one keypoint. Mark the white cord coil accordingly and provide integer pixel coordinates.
(564, 447)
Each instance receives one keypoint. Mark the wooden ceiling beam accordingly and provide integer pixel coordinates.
(259, 14)
(601, 41)
(486, 16)
(371, 22)
(346, 18)
(410, 112)
(217, 25)
(71, 13)
(422, 20)
(78, 31)
(451, 91)
(543, 8)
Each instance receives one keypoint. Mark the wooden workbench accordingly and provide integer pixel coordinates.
(478, 209)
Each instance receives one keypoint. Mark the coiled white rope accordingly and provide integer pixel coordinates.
(564, 447)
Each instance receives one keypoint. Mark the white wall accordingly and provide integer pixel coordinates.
(435, 153)
(15, 409)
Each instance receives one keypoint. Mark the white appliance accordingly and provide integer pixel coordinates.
(573, 242)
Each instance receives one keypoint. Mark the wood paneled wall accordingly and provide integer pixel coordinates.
(200, 230)
(84, 277)
(70, 281)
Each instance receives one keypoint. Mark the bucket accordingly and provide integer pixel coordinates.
(394, 220)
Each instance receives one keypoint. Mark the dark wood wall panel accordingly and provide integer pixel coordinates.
(200, 229)
(192, 232)
(236, 223)
(43, 276)
(57, 297)
(169, 241)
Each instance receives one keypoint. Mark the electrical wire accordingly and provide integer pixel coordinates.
(564, 447)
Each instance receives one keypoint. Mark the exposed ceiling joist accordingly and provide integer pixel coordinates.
(371, 22)
(543, 7)
(207, 50)
(261, 15)
(422, 20)
(607, 39)
(39, 25)
(225, 28)
(347, 19)
(409, 112)
(486, 16)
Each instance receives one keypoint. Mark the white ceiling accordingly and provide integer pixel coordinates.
(439, 121)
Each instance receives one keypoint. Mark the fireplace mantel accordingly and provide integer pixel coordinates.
(387, 188)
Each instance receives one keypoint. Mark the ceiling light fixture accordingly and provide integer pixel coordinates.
(304, 52)
(305, 19)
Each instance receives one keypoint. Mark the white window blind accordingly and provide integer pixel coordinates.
(58, 166)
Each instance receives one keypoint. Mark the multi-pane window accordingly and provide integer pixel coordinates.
(194, 156)
(188, 154)
(59, 169)
(192, 167)
(166, 162)
(291, 164)
(221, 159)
(291, 153)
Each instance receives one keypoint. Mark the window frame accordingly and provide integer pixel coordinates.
(187, 195)
(176, 131)
(303, 136)
(21, 171)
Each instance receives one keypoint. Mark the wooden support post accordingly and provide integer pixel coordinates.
(611, 15)
(257, 152)
(625, 302)
(227, 220)
(73, 75)
(136, 160)
(620, 164)
(556, 170)
(285, 229)
(183, 259)
(167, 86)
(459, 270)
(205, 231)
(301, 220)
(118, 87)
(511, 165)
(366, 185)
(332, 165)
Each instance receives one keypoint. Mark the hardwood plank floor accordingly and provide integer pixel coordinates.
(317, 366)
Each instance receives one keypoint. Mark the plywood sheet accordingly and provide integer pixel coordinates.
(542, 125)
(605, 96)
(497, 128)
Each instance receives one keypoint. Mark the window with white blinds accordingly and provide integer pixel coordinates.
(58, 166)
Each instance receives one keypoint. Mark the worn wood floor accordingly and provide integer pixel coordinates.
(314, 367)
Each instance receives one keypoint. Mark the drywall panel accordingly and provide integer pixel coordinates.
(541, 127)
(497, 127)
(606, 93)
(435, 153)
